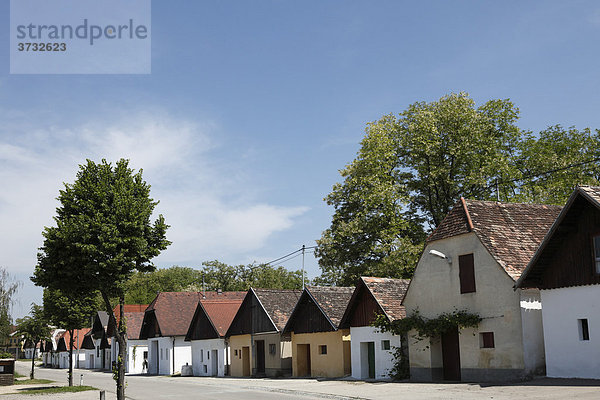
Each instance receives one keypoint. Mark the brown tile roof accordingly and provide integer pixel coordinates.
(134, 315)
(511, 232)
(278, 303)
(389, 294)
(221, 313)
(174, 310)
(333, 300)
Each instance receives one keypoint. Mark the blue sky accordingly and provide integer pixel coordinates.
(252, 107)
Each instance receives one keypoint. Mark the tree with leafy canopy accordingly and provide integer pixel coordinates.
(142, 287)
(103, 234)
(35, 329)
(8, 290)
(70, 312)
(412, 168)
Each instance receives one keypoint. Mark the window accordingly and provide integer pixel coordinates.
(205, 368)
(597, 253)
(323, 349)
(167, 354)
(208, 355)
(202, 355)
(466, 273)
(161, 354)
(584, 331)
(385, 345)
(486, 340)
(272, 349)
(234, 353)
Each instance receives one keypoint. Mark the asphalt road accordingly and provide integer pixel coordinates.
(162, 387)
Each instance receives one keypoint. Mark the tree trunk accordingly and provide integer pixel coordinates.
(31, 375)
(71, 341)
(120, 334)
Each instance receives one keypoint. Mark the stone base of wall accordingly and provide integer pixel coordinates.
(468, 375)
(7, 379)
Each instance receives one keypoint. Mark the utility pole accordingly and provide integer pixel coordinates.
(303, 248)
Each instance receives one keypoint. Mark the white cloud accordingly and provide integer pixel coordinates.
(206, 205)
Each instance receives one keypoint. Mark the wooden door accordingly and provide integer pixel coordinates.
(451, 355)
(371, 355)
(260, 356)
(246, 361)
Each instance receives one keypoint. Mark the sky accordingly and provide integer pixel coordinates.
(253, 107)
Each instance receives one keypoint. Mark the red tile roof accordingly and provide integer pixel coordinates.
(78, 334)
(333, 300)
(511, 232)
(174, 310)
(134, 315)
(278, 304)
(221, 313)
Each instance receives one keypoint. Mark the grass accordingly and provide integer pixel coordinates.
(32, 381)
(59, 389)
(18, 375)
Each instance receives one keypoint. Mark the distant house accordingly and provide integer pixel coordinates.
(319, 347)
(32, 350)
(372, 350)
(471, 262)
(62, 348)
(210, 355)
(566, 267)
(101, 359)
(257, 344)
(50, 357)
(137, 349)
(165, 325)
(88, 348)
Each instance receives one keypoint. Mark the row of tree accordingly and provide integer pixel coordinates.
(412, 168)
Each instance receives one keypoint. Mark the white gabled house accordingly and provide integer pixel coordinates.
(566, 269)
(471, 262)
(372, 351)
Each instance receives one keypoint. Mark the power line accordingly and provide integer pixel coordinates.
(292, 253)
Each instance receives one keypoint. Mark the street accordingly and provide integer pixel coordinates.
(163, 387)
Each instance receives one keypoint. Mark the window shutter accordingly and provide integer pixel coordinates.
(466, 273)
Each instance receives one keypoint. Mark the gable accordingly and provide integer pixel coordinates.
(201, 326)
(566, 257)
(251, 318)
(362, 309)
(308, 317)
(150, 327)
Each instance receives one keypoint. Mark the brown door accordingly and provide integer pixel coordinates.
(260, 356)
(451, 355)
(303, 362)
(245, 361)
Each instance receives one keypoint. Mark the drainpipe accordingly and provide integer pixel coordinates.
(173, 354)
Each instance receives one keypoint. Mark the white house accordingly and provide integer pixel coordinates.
(137, 349)
(566, 268)
(79, 354)
(471, 263)
(372, 351)
(210, 356)
(165, 325)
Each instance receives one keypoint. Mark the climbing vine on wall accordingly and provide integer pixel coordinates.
(425, 328)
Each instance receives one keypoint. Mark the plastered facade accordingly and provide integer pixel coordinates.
(384, 359)
(337, 361)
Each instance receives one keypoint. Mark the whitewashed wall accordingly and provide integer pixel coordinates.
(384, 360)
(203, 360)
(566, 355)
(161, 350)
(134, 364)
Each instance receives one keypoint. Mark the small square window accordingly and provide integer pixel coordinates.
(584, 330)
(323, 349)
(385, 345)
(486, 340)
(272, 349)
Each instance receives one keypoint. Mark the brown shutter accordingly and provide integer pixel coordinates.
(487, 340)
(466, 273)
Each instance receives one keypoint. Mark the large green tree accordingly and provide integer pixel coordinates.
(412, 168)
(103, 234)
(70, 312)
(35, 329)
